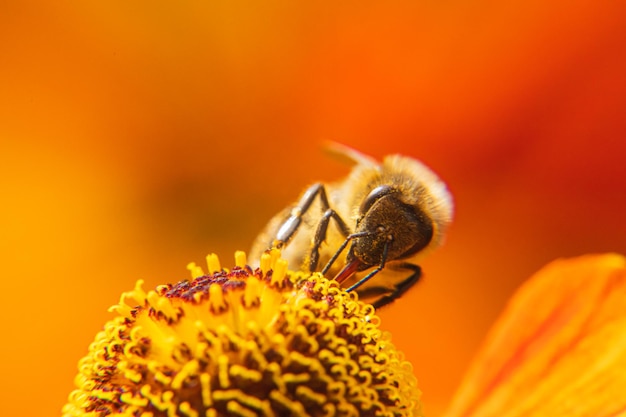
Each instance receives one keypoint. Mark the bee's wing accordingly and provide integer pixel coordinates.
(348, 155)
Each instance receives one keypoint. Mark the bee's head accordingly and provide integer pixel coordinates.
(386, 221)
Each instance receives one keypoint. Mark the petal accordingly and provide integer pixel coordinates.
(558, 349)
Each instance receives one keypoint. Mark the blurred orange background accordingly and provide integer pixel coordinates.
(139, 136)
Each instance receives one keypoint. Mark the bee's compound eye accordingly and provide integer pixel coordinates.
(374, 195)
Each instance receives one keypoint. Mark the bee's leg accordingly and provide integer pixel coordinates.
(401, 287)
(332, 260)
(320, 235)
(290, 226)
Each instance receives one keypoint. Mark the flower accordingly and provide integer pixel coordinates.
(243, 342)
(273, 342)
(559, 348)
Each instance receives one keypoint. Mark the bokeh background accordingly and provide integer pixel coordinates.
(138, 136)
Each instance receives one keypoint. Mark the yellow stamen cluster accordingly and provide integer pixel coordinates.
(243, 342)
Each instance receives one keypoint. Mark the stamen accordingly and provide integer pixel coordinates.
(240, 259)
(234, 408)
(266, 263)
(213, 263)
(252, 292)
(205, 383)
(189, 369)
(186, 409)
(279, 272)
(222, 366)
(196, 271)
(216, 298)
(274, 256)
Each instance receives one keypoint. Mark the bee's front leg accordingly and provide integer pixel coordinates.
(320, 235)
(402, 287)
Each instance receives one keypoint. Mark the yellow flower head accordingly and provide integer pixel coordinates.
(244, 342)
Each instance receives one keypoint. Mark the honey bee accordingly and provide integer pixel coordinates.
(385, 217)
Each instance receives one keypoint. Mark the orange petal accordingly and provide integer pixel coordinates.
(559, 348)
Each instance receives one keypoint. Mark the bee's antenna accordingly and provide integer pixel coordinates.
(332, 260)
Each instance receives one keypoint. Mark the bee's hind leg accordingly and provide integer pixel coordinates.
(401, 287)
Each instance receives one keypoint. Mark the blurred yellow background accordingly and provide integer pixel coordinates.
(138, 136)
